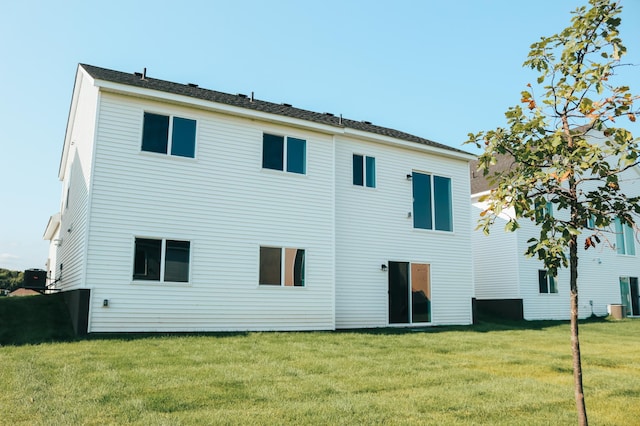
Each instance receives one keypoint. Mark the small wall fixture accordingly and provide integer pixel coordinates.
(409, 177)
(383, 267)
(105, 303)
(409, 215)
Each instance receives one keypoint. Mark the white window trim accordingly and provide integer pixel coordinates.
(282, 266)
(163, 248)
(433, 205)
(364, 171)
(170, 136)
(285, 150)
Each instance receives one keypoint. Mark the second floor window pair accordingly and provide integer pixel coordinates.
(169, 135)
(284, 153)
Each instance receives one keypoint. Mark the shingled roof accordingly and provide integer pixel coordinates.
(479, 182)
(243, 101)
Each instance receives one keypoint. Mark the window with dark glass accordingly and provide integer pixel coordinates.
(432, 203)
(164, 134)
(272, 152)
(625, 243)
(176, 261)
(282, 266)
(147, 259)
(296, 154)
(546, 282)
(161, 260)
(364, 171)
(183, 137)
(543, 209)
(442, 203)
(284, 153)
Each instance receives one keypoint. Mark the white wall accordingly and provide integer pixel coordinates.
(372, 228)
(494, 260)
(70, 257)
(227, 206)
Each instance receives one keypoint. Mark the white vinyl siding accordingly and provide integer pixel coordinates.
(494, 278)
(70, 258)
(226, 206)
(374, 227)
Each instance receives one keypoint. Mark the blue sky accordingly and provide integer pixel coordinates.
(435, 69)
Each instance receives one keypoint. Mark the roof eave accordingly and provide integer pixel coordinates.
(77, 86)
(125, 89)
(52, 226)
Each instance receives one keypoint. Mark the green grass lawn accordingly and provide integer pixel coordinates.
(496, 374)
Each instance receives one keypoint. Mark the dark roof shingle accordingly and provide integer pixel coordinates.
(193, 91)
(479, 182)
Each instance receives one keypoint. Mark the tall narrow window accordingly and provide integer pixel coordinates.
(158, 130)
(183, 137)
(296, 155)
(442, 202)
(432, 202)
(176, 261)
(370, 173)
(625, 243)
(270, 269)
(161, 260)
(273, 271)
(358, 170)
(422, 211)
(364, 171)
(272, 152)
(546, 282)
(280, 153)
(147, 259)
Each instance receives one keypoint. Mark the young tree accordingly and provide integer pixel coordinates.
(557, 158)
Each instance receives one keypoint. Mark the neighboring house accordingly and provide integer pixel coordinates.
(23, 292)
(186, 209)
(509, 283)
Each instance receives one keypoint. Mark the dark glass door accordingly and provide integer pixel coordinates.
(398, 292)
(635, 296)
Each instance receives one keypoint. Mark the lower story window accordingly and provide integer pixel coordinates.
(282, 266)
(547, 282)
(161, 260)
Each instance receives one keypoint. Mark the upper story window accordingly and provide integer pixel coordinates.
(364, 171)
(542, 210)
(284, 153)
(625, 243)
(282, 266)
(432, 207)
(161, 260)
(546, 282)
(169, 135)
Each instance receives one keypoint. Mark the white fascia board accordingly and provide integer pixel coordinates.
(52, 226)
(81, 74)
(416, 146)
(477, 195)
(274, 118)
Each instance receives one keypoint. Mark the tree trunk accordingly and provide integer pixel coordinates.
(575, 340)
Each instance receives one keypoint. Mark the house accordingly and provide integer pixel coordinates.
(188, 209)
(19, 292)
(510, 284)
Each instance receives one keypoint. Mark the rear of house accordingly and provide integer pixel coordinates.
(185, 209)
